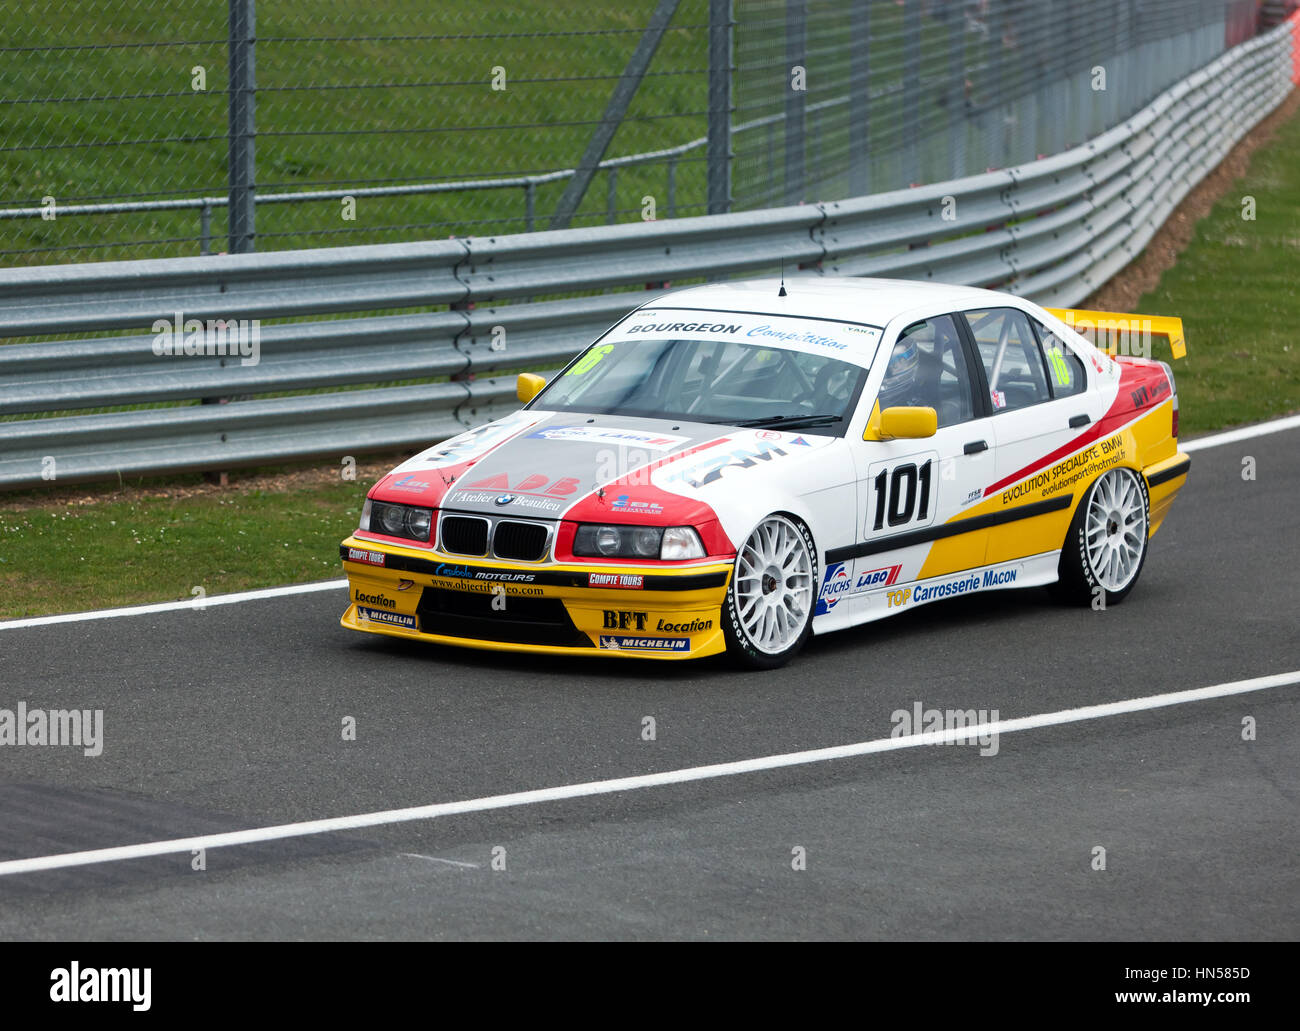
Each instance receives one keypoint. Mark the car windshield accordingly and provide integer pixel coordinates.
(722, 381)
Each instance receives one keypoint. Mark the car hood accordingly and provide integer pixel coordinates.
(579, 466)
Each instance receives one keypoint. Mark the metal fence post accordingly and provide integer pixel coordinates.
(205, 229)
(719, 153)
(859, 99)
(242, 128)
(796, 101)
(911, 90)
(619, 100)
(957, 93)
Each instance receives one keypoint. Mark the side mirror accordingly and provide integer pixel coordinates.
(908, 422)
(528, 386)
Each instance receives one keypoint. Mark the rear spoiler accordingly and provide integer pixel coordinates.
(1117, 333)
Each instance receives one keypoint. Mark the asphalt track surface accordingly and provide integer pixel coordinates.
(230, 718)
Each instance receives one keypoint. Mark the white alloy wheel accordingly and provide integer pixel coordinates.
(1115, 529)
(774, 585)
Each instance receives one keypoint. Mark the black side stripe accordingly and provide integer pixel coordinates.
(934, 533)
(1173, 472)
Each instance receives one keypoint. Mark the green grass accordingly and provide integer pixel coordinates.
(336, 107)
(1237, 289)
(73, 557)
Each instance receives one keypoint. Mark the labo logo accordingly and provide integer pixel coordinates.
(108, 984)
(624, 620)
(872, 578)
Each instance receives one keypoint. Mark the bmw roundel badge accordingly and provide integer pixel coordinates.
(504, 499)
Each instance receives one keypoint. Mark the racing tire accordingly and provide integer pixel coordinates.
(768, 612)
(1106, 546)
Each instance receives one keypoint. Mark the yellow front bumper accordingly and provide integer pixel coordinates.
(660, 612)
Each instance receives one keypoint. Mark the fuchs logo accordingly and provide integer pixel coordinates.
(835, 586)
(217, 338)
(874, 578)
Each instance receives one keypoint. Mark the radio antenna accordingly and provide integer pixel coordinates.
(781, 292)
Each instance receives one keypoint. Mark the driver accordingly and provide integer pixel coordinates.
(900, 386)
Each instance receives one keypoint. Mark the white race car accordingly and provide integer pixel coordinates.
(736, 467)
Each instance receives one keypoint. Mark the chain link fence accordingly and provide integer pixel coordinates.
(131, 129)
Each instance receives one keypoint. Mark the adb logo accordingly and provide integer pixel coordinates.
(835, 586)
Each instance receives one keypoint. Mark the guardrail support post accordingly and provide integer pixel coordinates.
(719, 153)
(242, 127)
(796, 100)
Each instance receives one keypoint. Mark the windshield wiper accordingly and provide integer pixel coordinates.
(791, 421)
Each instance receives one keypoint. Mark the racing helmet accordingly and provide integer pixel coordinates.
(899, 384)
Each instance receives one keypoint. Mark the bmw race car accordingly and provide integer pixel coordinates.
(737, 467)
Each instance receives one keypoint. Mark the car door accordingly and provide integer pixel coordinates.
(1037, 390)
(912, 492)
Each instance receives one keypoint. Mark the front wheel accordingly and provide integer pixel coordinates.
(1107, 543)
(767, 616)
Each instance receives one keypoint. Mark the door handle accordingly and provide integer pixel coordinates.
(975, 447)
(1079, 420)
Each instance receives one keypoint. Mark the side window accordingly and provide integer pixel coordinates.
(928, 367)
(1012, 362)
(1065, 372)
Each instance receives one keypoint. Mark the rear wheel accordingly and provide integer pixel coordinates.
(1107, 543)
(767, 616)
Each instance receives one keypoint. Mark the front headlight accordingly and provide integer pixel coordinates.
(681, 542)
(607, 541)
(397, 520)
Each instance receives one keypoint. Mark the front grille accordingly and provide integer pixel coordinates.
(525, 541)
(521, 621)
(462, 535)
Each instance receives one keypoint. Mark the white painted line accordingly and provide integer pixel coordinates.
(649, 780)
(1245, 433)
(172, 606)
(437, 859)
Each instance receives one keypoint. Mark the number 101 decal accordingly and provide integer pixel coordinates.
(902, 495)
